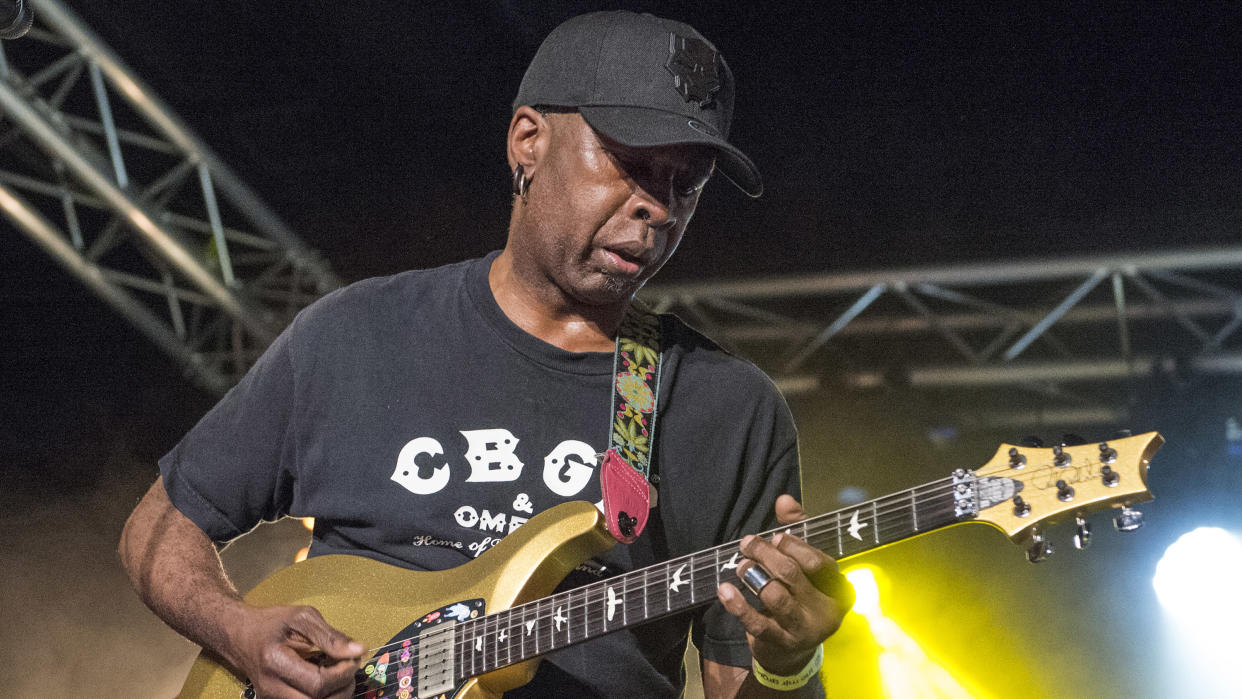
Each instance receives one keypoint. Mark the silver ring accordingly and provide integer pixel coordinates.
(755, 578)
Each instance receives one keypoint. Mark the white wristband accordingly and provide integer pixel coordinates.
(789, 682)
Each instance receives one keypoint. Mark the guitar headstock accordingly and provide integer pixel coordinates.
(1021, 490)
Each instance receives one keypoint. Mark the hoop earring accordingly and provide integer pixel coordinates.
(521, 184)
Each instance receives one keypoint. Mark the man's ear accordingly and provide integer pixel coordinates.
(529, 133)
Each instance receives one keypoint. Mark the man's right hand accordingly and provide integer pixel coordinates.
(292, 652)
(285, 651)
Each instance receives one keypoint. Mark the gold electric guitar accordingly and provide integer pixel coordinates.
(479, 629)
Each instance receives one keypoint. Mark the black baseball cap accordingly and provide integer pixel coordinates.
(642, 81)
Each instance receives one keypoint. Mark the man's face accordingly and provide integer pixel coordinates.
(604, 218)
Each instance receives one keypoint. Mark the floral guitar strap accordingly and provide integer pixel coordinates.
(627, 479)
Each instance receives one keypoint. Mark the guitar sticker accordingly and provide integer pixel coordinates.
(458, 611)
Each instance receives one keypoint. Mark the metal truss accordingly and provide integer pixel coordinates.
(1070, 329)
(108, 181)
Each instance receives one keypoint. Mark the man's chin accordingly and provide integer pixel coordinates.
(609, 289)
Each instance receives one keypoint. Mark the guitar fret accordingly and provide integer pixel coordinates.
(646, 594)
(914, 510)
(508, 638)
(875, 521)
(464, 656)
(547, 638)
(625, 601)
(840, 539)
(495, 640)
(716, 565)
(488, 656)
(704, 585)
(521, 636)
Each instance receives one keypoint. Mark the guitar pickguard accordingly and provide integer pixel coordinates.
(392, 672)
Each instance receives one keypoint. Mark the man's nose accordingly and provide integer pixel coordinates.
(650, 208)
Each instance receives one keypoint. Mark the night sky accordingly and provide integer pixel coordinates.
(887, 136)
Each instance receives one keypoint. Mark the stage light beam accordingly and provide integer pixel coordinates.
(1198, 582)
(906, 670)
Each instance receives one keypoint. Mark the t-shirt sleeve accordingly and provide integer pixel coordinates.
(770, 471)
(236, 467)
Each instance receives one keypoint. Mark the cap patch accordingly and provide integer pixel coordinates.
(692, 63)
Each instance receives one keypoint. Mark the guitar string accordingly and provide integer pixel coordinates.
(580, 599)
(826, 522)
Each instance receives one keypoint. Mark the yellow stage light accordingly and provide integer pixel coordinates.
(906, 671)
(301, 555)
(866, 589)
(309, 523)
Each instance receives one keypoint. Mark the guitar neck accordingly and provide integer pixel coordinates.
(566, 618)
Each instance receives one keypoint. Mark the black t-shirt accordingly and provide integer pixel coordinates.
(418, 425)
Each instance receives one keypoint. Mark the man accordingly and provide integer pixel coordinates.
(409, 415)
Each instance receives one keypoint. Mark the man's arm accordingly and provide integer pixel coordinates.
(176, 571)
(804, 604)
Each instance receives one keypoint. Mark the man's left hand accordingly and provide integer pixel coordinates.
(804, 603)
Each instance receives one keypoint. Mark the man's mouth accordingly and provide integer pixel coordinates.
(623, 263)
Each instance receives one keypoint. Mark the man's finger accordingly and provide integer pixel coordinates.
(815, 563)
(779, 565)
(789, 510)
(334, 644)
(755, 623)
(820, 569)
(298, 673)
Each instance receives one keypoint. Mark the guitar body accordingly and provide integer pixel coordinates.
(374, 602)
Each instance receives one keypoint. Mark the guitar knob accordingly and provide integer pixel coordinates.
(1082, 534)
(1128, 520)
(1040, 548)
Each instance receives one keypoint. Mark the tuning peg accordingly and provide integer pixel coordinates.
(1082, 533)
(1069, 439)
(1031, 441)
(1108, 476)
(1128, 520)
(1108, 455)
(1039, 549)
